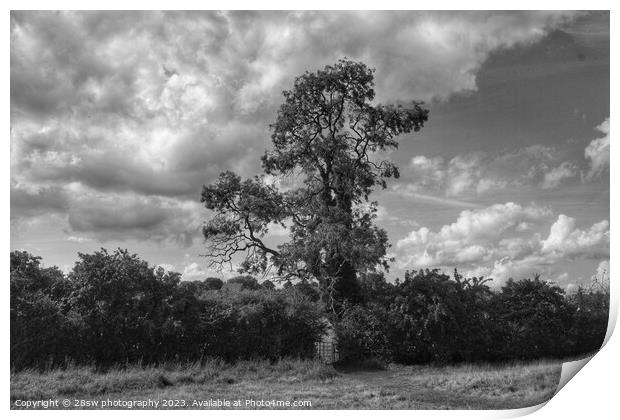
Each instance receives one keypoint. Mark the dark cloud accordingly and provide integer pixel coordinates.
(128, 217)
(31, 202)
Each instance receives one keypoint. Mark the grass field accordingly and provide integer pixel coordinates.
(195, 386)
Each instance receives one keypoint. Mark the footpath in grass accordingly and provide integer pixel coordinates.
(289, 384)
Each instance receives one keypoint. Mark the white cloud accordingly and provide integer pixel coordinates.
(471, 237)
(385, 217)
(567, 241)
(193, 271)
(78, 239)
(555, 176)
(597, 152)
(481, 173)
(411, 191)
(503, 240)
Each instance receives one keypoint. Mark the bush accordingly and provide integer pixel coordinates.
(534, 319)
(213, 283)
(265, 324)
(243, 283)
(115, 308)
(433, 318)
(589, 317)
(361, 336)
(42, 334)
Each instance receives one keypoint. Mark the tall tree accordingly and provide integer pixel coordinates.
(330, 136)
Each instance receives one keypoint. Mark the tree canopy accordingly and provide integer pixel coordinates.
(330, 135)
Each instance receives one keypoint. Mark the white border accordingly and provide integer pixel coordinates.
(592, 395)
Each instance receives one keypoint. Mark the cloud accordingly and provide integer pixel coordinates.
(78, 239)
(481, 173)
(503, 240)
(127, 216)
(193, 272)
(567, 241)
(385, 217)
(597, 153)
(555, 176)
(142, 108)
(411, 191)
(31, 200)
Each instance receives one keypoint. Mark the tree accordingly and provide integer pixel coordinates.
(330, 136)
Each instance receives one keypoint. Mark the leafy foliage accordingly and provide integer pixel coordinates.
(361, 336)
(116, 308)
(532, 312)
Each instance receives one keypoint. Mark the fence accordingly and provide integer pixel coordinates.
(327, 351)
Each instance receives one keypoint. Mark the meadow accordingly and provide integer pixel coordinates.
(194, 386)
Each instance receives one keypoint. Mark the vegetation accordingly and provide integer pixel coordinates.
(114, 308)
(463, 386)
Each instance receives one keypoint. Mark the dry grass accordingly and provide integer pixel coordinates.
(398, 387)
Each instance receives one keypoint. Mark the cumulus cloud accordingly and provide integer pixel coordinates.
(597, 153)
(565, 240)
(480, 173)
(142, 108)
(193, 271)
(503, 240)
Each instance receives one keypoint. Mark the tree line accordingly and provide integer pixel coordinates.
(114, 308)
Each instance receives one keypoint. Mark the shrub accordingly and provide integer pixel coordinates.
(243, 283)
(361, 336)
(265, 324)
(534, 319)
(433, 318)
(589, 317)
(213, 283)
(115, 308)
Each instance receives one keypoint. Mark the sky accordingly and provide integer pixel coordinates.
(119, 118)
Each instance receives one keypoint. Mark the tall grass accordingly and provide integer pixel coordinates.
(31, 384)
